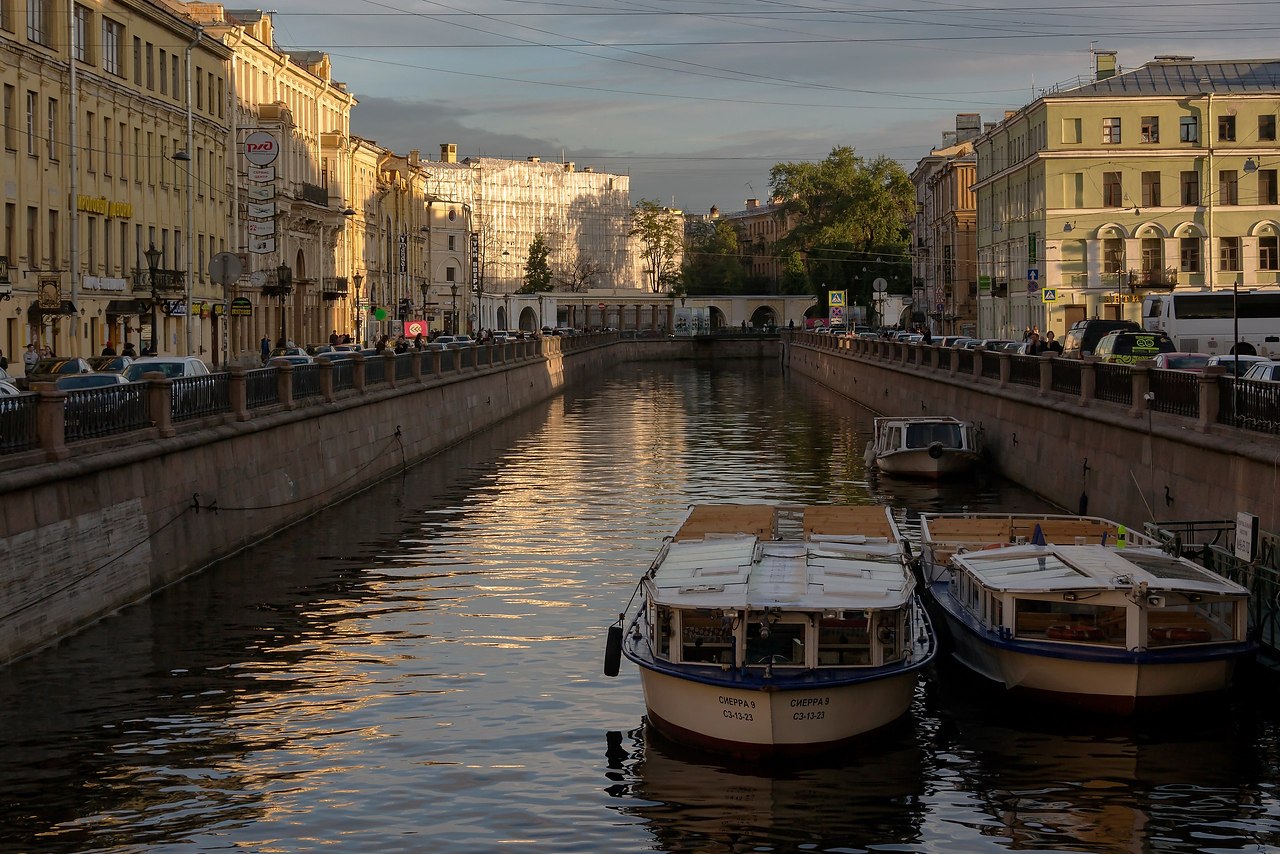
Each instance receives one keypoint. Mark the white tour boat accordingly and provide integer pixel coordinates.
(1078, 610)
(753, 639)
(924, 446)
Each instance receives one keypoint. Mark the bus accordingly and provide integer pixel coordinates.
(1205, 321)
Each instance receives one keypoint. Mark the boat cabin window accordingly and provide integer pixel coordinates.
(843, 640)
(1075, 621)
(924, 435)
(1187, 623)
(706, 637)
(891, 632)
(662, 622)
(777, 643)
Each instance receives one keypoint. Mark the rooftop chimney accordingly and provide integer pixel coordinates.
(1104, 64)
(449, 153)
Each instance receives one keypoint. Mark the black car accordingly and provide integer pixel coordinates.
(1084, 335)
(48, 370)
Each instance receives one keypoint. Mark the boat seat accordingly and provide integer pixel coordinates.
(970, 531)
(1063, 532)
(870, 522)
(752, 519)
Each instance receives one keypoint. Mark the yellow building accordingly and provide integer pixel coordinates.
(86, 194)
(1136, 182)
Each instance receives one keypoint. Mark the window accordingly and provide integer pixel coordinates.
(1226, 128)
(83, 18)
(124, 174)
(1151, 189)
(88, 143)
(151, 67)
(106, 146)
(33, 238)
(1112, 255)
(1266, 186)
(91, 235)
(10, 119)
(53, 240)
(53, 129)
(1269, 252)
(453, 242)
(1112, 195)
(1189, 183)
(177, 78)
(10, 220)
(137, 60)
(1111, 131)
(164, 75)
(1070, 131)
(1150, 128)
(33, 116)
(1189, 129)
(1152, 255)
(1189, 252)
(1267, 128)
(199, 89)
(6, 23)
(449, 274)
(1228, 187)
(39, 21)
(112, 35)
(1229, 254)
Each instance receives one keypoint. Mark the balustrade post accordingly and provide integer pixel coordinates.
(1140, 376)
(1210, 397)
(357, 373)
(238, 393)
(160, 402)
(417, 365)
(1006, 367)
(435, 363)
(934, 356)
(51, 421)
(326, 380)
(284, 384)
(955, 360)
(389, 368)
(1088, 379)
(1046, 373)
(979, 353)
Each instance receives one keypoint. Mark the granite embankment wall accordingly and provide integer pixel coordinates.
(89, 527)
(1133, 464)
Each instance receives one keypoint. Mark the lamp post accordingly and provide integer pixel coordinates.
(284, 283)
(356, 279)
(153, 263)
(453, 315)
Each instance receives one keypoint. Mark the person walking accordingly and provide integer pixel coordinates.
(30, 358)
(4, 361)
(265, 346)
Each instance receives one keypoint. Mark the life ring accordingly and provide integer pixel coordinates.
(1074, 632)
(935, 450)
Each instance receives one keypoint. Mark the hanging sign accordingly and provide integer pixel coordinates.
(262, 245)
(242, 307)
(262, 228)
(261, 174)
(262, 194)
(261, 148)
(267, 209)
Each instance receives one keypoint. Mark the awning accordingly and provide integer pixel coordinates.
(128, 306)
(35, 312)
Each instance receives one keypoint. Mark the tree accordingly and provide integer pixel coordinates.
(660, 233)
(713, 260)
(578, 272)
(851, 221)
(537, 270)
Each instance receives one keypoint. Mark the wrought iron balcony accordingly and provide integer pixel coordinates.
(334, 287)
(314, 194)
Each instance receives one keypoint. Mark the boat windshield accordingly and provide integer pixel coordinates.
(924, 435)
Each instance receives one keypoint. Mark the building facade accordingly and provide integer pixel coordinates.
(1159, 178)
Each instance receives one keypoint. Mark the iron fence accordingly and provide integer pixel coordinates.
(18, 423)
(261, 388)
(375, 370)
(404, 366)
(964, 361)
(93, 412)
(1024, 370)
(306, 381)
(195, 397)
(1114, 383)
(990, 363)
(1066, 376)
(1175, 392)
(1249, 404)
(344, 374)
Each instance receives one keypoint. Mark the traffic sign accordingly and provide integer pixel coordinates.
(225, 268)
(1049, 295)
(835, 298)
(942, 306)
(415, 327)
(1033, 275)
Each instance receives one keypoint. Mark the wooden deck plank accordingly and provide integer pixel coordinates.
(752, 519)
(841, 520)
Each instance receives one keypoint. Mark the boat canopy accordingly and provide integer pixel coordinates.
(1041, 568)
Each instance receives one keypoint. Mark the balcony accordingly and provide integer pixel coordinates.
(1156, 278)
(167, 281)
(314, 194)
(334, 287)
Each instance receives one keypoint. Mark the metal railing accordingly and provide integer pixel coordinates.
(261, 388)
(1175, 392)
(404, 366)
(1024, 370)
(344, 375)
(1114, 383)
(1066, 376)
(195, 397)
(18, 423)
(375, 370)
(1250, 404)
(990, 363)
(93, 412)
(306, 381)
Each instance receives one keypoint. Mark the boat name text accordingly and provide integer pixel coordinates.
(810, 701)
(736, 701)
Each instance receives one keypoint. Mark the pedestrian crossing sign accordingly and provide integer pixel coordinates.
(835, 298)
(1049, 295)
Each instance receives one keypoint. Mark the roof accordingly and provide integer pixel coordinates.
(1092, 567)
(1186, 78)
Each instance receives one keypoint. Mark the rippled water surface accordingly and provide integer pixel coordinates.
(419, 669)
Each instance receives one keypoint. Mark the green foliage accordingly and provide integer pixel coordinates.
(851, 222)
(712, 263)
(795, 275)
(537, 270)
(660, 233)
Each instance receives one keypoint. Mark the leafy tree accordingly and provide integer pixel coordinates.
(578, 272)
(537, 270)
(795, 275)
(660, 233)
(713, 261)
(851, 221)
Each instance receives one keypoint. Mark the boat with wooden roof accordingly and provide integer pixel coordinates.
(769, 630)
(1081, 611)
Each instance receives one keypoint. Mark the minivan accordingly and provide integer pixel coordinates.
(1084, 335)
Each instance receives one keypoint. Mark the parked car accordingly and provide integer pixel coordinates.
(1084, 335)
(455, 342)
(98, 379)
(110, 364)
(1180, 361)
(48, 370)
(173, 367)
(1267, 371)
(8, 389)
(951, 340)
(336, 356)
(289, 351)
(1228, 361)
(1129, 348)
(996, 343)
(292, 359)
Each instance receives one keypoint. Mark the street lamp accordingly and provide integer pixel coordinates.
(284, 283)
(453, 316)
(153, 263)
(356, 279)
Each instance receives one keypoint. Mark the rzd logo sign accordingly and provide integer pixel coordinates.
(261, 148)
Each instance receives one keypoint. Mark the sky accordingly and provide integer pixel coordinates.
(696, 100)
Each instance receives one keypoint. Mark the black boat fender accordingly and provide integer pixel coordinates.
(613, 650)
(935, 450)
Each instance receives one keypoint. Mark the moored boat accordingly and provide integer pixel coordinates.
(924, 446)
(1080, 611)
(767, 630)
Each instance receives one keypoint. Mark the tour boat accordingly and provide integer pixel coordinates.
(1078, 610)
(924, 446)
(766, 630)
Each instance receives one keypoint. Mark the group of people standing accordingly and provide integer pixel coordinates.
(1037, 345)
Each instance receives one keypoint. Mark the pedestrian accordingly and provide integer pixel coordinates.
(30, 357)
(1051, 344)
(381, 346)
(4, 361)
(108, 350)
(128, 350)
(928, 336)
(1026, 333)
(265, 346)
(1032, 347)
(418, 343)
(333, 337)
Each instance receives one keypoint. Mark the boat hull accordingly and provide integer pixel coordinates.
(920, 463)
(1113, 682)
(770, 720)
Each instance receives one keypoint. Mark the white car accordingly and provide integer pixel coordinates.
(1268, 371)
(172, 367)
(1228, 361)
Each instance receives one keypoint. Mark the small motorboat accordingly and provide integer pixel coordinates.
(766, 630)
(1080, 611)
(924, 446)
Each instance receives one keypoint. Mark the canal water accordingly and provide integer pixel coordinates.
(419, 670)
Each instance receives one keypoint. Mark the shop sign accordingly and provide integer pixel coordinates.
(242, 307)
(261, 174)
(266, 209)
(100, 205)
(261, 148)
